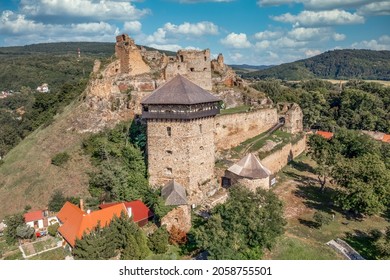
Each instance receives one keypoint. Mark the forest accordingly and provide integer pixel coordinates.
(337, 64)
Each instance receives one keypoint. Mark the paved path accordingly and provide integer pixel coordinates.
(345, 249)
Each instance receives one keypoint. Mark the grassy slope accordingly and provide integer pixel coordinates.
(27, 176)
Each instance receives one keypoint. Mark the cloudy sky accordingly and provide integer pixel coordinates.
(246, 31)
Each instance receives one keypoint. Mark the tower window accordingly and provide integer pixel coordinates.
(181, 58)
(201, 148)
(204, 69)
(200, 128)
(169, 131)
(205, 58)
(192, 69)
(169, 152)
(168, 171)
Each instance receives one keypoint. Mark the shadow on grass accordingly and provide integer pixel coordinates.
(301, 166)
(310, 224)
(304, 180)
(363, 242)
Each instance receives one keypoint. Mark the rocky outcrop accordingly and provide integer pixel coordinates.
(180, 217)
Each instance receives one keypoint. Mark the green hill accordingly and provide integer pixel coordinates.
(336, 64)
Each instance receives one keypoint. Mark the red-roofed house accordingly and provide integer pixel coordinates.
(140, 213)
(386, 138)
(75, 222)
(325, 134)
(36, 219)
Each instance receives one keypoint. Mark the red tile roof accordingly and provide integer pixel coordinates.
(325, 134)
(33, 216)
(386, 138)
(75, 222)
(139, 210)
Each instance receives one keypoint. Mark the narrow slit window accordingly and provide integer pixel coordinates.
(169, 131)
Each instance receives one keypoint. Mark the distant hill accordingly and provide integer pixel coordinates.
(90, 48)
(242, 69)
(336, 64)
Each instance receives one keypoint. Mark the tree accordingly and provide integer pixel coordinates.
(13, 222)
(58, 200)
(364, 184)
(25, 231)
(321, 152)
(60, 159)
(158, 241)
(177, 236)
(243, 226)
(98, 244)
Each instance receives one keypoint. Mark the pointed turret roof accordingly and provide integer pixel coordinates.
(250, 167)
(179, 91)
(174, 194)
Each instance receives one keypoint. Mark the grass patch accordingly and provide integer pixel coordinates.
(290, 248)
(55, 254)
(173, 253)
(16, 255)
(235, 110)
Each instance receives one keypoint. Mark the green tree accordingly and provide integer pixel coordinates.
(364, 184)
(52, 229)
(158, 240)
(243, 226)
(58, 199)
(98, 244)
(382, 245)
(321, 152)
(12, 222)
(25, 231)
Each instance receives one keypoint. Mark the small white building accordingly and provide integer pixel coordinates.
(43, 88)
(37, 219)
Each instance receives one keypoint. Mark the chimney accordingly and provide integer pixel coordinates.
(81, 204)
(129, 211)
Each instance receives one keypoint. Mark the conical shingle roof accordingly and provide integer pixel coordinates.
(174, 194)
(250, 167)
(179, 91)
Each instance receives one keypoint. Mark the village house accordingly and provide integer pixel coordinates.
(74, 221)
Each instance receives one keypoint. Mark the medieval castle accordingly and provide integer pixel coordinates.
(179, 98)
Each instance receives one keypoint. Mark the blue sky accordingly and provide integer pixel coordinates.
(245, 31)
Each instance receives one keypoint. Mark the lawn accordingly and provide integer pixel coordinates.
(238, 109)
(56, 254)
(301, 195)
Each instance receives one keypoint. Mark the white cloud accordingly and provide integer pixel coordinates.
(322, 18)
(383, 43)
(317, 4)
(132, 26)
(238, 41)
(338, 37)
(170, 31)
(193, 29)
(92, 9)
(263, 44)
(167, 47)
(286, 42)
(202, 1)
(307, 34)
(310, 53)
(236, 57)
(377, 8)
(267, 35)
(26, 31)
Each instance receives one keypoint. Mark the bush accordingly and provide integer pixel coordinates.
(60, 159)
(52, 229)
(322, 218)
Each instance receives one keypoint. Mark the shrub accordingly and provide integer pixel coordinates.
(52, 229)
(60, 159)
(158, 241)
(322, 218)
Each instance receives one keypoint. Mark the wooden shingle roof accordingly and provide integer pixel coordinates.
(179, 91)
(174, 194)
(250, 167)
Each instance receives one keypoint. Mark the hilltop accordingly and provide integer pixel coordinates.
(336, 64)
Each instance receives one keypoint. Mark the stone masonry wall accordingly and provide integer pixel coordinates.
(195, 65)
(232, 129)
(187, 156)
(279, 159)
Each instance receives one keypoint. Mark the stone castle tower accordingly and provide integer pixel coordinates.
(180, 128)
